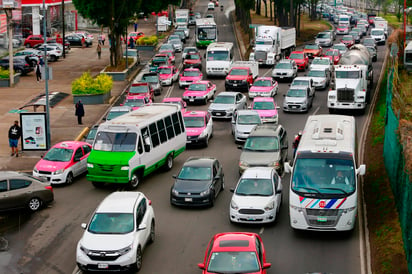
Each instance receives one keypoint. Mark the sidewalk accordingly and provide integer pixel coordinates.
(63, 122)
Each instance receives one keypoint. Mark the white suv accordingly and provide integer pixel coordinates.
(53, 52)
(120, 228)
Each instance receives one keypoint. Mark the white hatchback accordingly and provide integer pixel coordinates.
(119, 230)
(257, 197)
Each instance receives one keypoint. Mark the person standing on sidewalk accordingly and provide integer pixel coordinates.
(79, 112)
(135, 25)
(99, 51)
(14, 136)
(38, 72)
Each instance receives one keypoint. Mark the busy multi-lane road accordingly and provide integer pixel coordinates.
(48, 242)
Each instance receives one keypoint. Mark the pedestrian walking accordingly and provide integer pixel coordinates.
(14, 136)
(83, 42)
(100, 39)
(135, 25)
(131, 42)
(296, 143)
(99, 51)
(41, 62)
(79, 112)
(38, 72)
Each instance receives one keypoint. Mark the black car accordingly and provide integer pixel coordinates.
(198, 183)
(153, 79)
(20, 65)
(75, 40)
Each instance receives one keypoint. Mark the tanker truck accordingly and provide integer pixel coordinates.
(352, 81)
(271, 42)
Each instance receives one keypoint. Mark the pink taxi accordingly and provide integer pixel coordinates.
(199, 127)
(201, 91)
(171, 54)
(267, 109)
(63, 162)
(188, 76)
(342, 29)
(176, 100)
(137, 101)
(264, 87)
(167, 75)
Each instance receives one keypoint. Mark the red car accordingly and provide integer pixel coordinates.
(199, 92)
(301, 59)
(141, 89)
(348, 40)
(334, 55)
(193, 60)
(313, 50)
(33, 40)
(235, 252)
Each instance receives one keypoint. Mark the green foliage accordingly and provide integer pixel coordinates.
(157, 5)
(4, 73)
(86, 84)
(147, 40)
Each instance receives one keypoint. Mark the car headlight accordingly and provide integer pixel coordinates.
(243, 164)
(125, 250)
(296, 208)
(243, 81)
(125, 168)
(203, 134)
(274, 164)
(231, 109)
(85, 250)
(347, 210)
(270, 206)
(35, 170)
(205, 193)
(332, 97)
(59, 171)
(234, 205)
(175, 192)
(90, 165)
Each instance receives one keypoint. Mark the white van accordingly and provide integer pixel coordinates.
(135, 144)
(219, 58)
(378, 35)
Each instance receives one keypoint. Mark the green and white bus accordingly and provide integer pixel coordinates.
(206, 32)
(135, 144)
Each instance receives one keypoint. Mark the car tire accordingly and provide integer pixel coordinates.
(135, 180)
(139, 259)
(212, 198)
(207, 141)
(169, 162)
(17, 70)
(53, 58)
(152, 232)
(223, 184)
(34, 204)
(97, 184)
(27, 45)
(69, 178)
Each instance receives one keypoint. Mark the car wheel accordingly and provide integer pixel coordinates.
(212, 198)
(139, 257)
(17, 70)
(53, 58)
(27, 45)
(205, 101)
(223, 184)
(152, 232)
(169, 162)
(135, 180)
(207, 141)
(34, 204)
(69, 178)
(97, 184)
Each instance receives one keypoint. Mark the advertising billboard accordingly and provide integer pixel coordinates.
(34, 131)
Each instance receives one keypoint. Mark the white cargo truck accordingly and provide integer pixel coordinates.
(272, 43)
(381, 23)
(352, 81)
(182, 17)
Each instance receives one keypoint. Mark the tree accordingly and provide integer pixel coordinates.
(114, 14)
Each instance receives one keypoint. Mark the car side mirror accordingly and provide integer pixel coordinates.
(174, 176)
(232, 190)
(142, 226)
(240, 147)
(201, 266)
(84, 225)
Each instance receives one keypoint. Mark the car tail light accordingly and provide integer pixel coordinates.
(49, 188)
(150, 202)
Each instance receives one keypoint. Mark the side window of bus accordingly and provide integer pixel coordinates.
(176, 124)
(146, 139)
(182, 125)
(140, 146)
(169, 128)
(154, 135)
(162, 131)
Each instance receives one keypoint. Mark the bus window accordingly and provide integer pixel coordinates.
(162, 131)
(154, 135)
(169, 128)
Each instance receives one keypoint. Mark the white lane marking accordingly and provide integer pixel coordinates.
(261, 231)
(316, 111)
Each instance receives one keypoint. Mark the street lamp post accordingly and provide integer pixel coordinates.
(46, 79)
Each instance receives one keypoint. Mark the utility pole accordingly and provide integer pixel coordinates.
(46, 79)
(9, 16)
(63, 30)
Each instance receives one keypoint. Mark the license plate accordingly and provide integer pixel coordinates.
(218, 114)
(234, 85)
(191, 100)
(188, 141)
(322, 219)
(188, 200)
(102, 266)
(251, 219)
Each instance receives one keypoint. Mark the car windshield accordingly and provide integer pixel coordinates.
(318, 61)
(195, 173)
(370, 42)
(224, 99)
(188, 50)
(283, 66)
(165, 71)
(296, 56)
(377, 32)
(233, 262)
(262, 83)
(194, 122)
(342, 27)
(300, 83)
(238, 72)
(197, 87)
(115, 141)
(347, 38)
(323, 35)
(249, 119)
(262, 143)
(138, 89)
(114, 114)
(263, 105)
(316, 73)
(56, 154)
(340, 47)
(135, 102)
(331, 53)
(311, 47)
(150, 78)
(296, 93)
(217, 55)
(175, 42)
(191, 73)
(318, 175)
(166, 47)
(192, 57)
(111, 223)
(254, 187)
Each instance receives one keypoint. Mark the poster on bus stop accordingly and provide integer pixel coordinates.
(33, 129)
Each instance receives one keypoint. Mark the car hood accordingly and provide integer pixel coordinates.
(260, 89)
(51, 166)
(289, 99)
(342, 83)
(194, 186)
(190, 78)
(245, 128)
(259, 157)
(318, 79)
(194, 93)
(190, 61)
(267, 112)
(110, 157)
(282, 71)
(251, 202)
(165, 76)
(104, 242)
(236, 77)
(194, 131)
(214, 106)
(319, 67)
